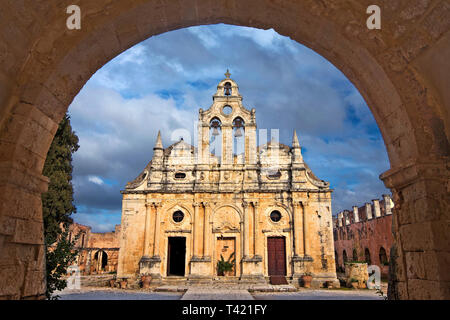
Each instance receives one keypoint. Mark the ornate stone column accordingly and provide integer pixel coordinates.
(196, 235)
(301, 260)
(206, 232)
(306, 227)
(200, 271)
(251, 266)
(246, 231)
(151, 264)
(256, 232)
(299, 249)
(156, 235)
(147, 226)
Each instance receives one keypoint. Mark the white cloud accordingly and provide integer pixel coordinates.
(96, 180)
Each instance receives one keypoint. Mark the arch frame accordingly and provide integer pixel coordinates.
(43, 66)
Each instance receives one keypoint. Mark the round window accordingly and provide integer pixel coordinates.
(227, 110)
(275, 216)
(178, 216)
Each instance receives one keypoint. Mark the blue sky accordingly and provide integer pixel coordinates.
(160, 84)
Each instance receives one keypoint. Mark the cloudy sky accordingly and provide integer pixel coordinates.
(161, 83)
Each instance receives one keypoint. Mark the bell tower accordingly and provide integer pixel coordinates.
(228, 120)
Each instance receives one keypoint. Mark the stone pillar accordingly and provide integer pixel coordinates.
(196, 235)
(306, 226)
(206, 231)
(355, 214)
(250, 132)
(251, 266)
(368, 211)
(151, 265)
(347, 217)
(387, 204)
(299, 250)
(200, 271)
(147, 227)
(227, 144)
(340, 219)
(419, 256)
(246, 233)
(256, 231)
(376, 208)
(156, 236)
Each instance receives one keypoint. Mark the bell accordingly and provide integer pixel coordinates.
(215, 131)
(238, 132)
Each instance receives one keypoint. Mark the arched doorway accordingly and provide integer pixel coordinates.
(100, 261)
(401, 76)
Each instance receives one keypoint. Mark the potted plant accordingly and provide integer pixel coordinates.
(354, 283)
(123, 283)
(307, 278)
(112, 282)
(225, 266)
(145, 280)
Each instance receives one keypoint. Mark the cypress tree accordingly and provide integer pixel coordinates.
(58, 206)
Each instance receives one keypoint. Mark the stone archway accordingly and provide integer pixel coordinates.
(401, 71)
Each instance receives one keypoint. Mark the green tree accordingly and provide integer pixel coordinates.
(58, 206)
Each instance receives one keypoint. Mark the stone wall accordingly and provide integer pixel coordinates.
(368, 230)
(94, 248)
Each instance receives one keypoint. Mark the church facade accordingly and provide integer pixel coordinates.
(259, 208)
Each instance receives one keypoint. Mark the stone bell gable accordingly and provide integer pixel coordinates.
(227, 197)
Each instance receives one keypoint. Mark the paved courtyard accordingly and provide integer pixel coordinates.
(204, 293)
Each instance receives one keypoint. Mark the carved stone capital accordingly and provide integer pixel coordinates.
(244, 204)
(206, 204)
(400, 177)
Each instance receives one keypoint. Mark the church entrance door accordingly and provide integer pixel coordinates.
(276, 259)
(176, 256)
(225, 247)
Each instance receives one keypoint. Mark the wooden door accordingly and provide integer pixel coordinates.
(276, 255)
(225, 247)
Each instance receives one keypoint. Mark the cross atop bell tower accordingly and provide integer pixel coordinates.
(227, 74)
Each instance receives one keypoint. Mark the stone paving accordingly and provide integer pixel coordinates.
(320, 295)
(236, 292)
(116, 294)
(201, 293)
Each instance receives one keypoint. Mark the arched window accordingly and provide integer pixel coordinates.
(383, 257)
(239, 137)
(344, 256)
(355, 255)
(367, 256)
(215, 137)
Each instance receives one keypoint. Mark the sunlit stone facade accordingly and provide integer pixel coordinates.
(191, 206)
